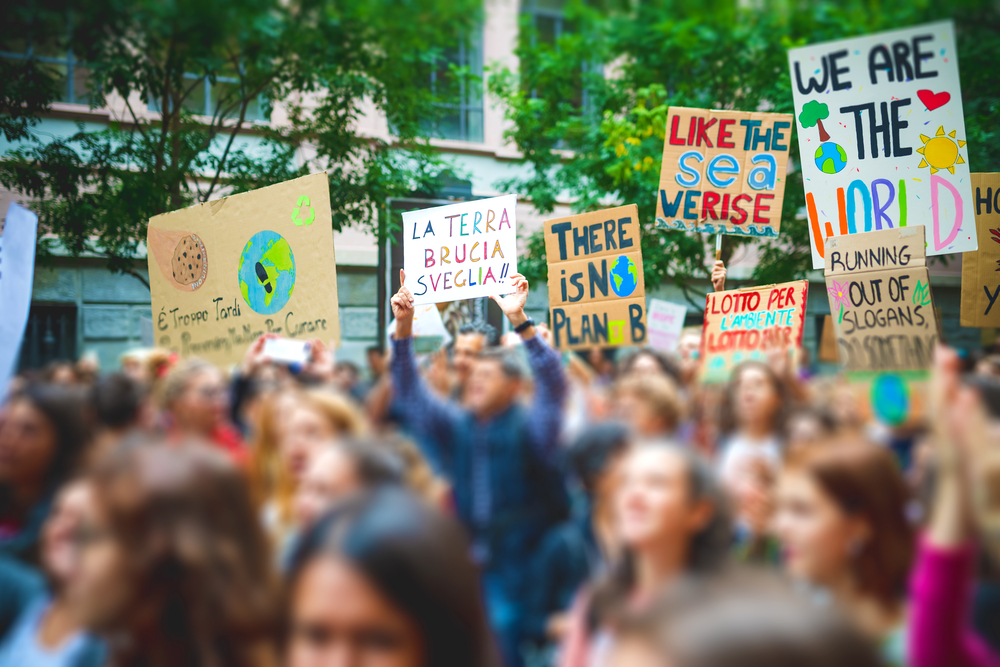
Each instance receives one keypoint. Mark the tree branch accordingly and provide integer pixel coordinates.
(138, 276)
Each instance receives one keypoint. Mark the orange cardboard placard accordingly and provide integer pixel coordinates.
(596, 289)
(880, 298)
(981, 268)
(748, 324)
(723, 172)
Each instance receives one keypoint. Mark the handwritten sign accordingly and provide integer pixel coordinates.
(882, 137)
(981, 268)
(723, 171)
(748, 324)
(880, 298)
(17, 270)
(666, 321)
(224, 272)
(460, 251)
(597, 294)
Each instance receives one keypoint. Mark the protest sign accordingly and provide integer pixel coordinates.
(597, 295)
(723, 171)
(880, 298)
(828, 342)
(460, 251)
(881, 136)
(17, 270)
(981, 268)
(666, 321)
(748, 324)
(223, 272)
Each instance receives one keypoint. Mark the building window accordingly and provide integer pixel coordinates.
(205, 98)
(50, 335)
(456, 80)
(550, 23)
(72, 78)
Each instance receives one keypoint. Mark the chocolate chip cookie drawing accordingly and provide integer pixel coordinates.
(181, 256)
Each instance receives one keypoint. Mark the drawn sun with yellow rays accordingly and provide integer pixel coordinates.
(941, 152)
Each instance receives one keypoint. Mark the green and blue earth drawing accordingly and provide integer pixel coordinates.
(830, 157)
(624, 276)
(267, 272)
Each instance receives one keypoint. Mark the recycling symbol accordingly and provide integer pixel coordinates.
(296, 218)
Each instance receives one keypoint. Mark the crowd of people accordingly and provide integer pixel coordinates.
(496, 503)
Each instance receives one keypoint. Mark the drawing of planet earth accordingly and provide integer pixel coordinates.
(830, 157)
(267, 272)
(624, 277)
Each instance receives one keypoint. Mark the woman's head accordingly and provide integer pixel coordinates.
(841, 517)
(316, 418)
(386, 580)
(755, 399)
(42, 437)
(596, 454)
(650, 362)
(174, 559)
(668, 496)
(60, 552)
(195, 394)
(650, 404)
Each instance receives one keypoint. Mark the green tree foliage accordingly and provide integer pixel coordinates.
(317, 62)
(595, 134)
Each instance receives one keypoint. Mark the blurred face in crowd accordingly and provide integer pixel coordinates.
(60, 552)
(489, 391)
(464, 354)
(305, 432)
(818, 538)
(634, 652)
(203, 405)
(376, 362)
(757, 400)
(646, 364)
(331, 476)
(689, 345)
(653, 504)
(632, 409)
(804, 429)
(339, 618)
(27, 444)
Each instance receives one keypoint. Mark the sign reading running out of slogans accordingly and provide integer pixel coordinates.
(723, 171)
(749, 324)
(596, 291)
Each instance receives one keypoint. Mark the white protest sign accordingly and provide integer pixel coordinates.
(17, 270)
(460, 251)
(665, 321)
(882, 137)
(427, 322)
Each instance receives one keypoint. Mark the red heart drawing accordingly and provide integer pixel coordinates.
(933, 100)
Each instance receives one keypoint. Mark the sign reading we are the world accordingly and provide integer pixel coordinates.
(597, 294)
(881, 135)
(723, 171)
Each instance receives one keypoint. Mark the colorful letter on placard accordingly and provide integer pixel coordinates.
(460, 251)
(882, 137)
(981, 268)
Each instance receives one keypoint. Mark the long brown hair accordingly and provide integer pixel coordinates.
(781, 389)
(198, 563)
(864, 480)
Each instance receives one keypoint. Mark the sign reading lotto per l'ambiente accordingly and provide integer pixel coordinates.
(723, 171)
(882, 137)
(981, 268)
(880, 298)
(597, 294)
(224, 272)
(748, 324)
(460, 251)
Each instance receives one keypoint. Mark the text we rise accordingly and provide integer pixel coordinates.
(702, 179)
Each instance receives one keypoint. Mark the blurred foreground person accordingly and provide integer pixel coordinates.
(47, 632)
(385, 580)
(738, 621)
(843, 530)
(672, 519)
(649, 404)
(117, 406)
(42, 438)
(175, 568)
(195, 400)
(472, 339)
(753, 419)
(500, 457)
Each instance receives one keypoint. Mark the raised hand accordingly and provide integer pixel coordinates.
(513, 303)
(254, 357)
(402, 308)
(719, 276)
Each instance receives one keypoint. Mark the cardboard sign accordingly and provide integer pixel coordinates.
(881, 302)
(981, 268)
(666, 321)
(748, 324)
(17, 270)
(597, 295)
(723, 171)
(881, 135)
(460, 251)
(828, 342)
(224, 272)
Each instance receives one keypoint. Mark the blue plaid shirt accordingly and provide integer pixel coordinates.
(505, 472)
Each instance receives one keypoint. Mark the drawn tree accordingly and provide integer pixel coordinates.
(812, 114)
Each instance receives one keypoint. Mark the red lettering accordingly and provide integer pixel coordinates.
(434, 285)
(674, 139)
(753, 337)
(428, 258)
(709, 200)
(702, 129)
(725, 308)
(758, 207)
(725, 207)
(736, 209)
(691, 131)
(755, 296)
(725, 134)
